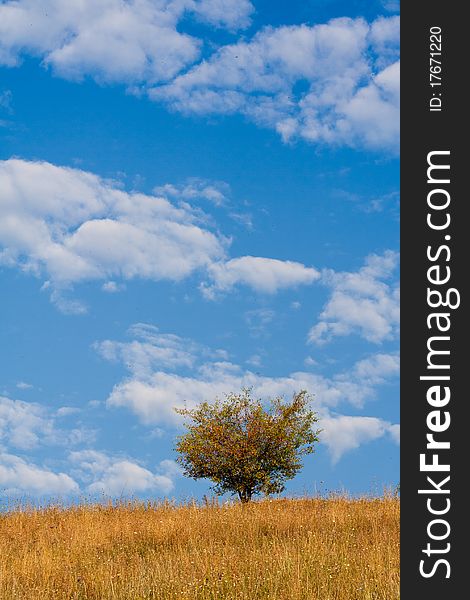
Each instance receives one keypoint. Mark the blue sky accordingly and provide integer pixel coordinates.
(195, 196)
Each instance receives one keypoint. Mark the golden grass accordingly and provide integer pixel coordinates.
(307, 549)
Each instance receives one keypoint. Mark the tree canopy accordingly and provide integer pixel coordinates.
(244, 447)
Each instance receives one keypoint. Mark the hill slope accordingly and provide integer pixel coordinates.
(308, 549)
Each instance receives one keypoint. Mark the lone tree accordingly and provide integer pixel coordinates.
(245, 448)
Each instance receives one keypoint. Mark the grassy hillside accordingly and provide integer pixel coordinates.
(309, 549)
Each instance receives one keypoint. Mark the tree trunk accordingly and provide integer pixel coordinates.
(244, 495)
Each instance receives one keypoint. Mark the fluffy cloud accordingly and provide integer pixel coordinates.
(361, 302)
(348, 67)
(154, 398)
(18, 476)
(77, 226)
(377, 368)
(384, 38)
(22, 423)
(150, 350)
(371, 116)
(334, 83)
(344, 433)
(266, 275)
(230, 14)
(25, 425)
(110, 40)
(117, 476)
(394, 431)
(152, 395)
(269, 63)
(74, 226)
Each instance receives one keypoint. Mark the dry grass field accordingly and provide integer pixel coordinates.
(307, 549)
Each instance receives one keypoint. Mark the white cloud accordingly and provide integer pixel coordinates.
(271, 62)
(116, 476)
(230, 14)
(345, 433)
(348, 66)
(391, 5)
(394, 431)
(25, 425)
(150, 350)
(111, 287)
(110, 40)
(67, 411)
(23, 385)
(66, 305)
(18, 477)
(377, 368)
(73, 226)
(310, 362)
(215, 192)
(385, 38)
(349, 92)
(361, 302)
(152, 395)
(153, 399)
(170, 468)
(372, 115)
(266, 275)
